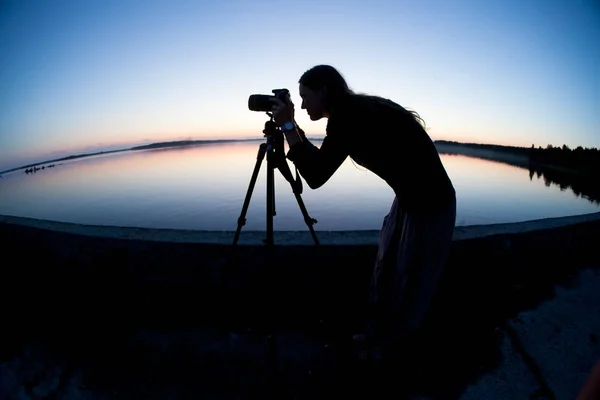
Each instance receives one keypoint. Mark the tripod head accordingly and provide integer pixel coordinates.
(271, 129)
(276, 152)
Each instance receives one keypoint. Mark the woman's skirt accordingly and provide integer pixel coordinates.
(413, 246)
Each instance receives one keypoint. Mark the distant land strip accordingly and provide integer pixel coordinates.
(524, 152)
(158, 145)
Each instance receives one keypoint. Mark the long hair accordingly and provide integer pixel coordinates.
(336, 88)
(326, 77)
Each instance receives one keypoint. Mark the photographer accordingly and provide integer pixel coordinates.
(390, 141)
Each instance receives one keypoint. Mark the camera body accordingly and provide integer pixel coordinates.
(263, 103)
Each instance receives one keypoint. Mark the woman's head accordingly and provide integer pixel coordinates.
(321, 87)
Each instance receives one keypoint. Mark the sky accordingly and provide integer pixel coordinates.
(83, 76)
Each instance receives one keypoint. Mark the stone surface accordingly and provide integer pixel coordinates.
(558, 338)
(510, 380)
(562, 335)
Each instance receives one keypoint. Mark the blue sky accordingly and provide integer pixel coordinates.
(78, 76)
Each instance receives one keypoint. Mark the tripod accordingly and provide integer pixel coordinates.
(273, 148)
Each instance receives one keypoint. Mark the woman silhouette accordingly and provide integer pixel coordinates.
(390, 141)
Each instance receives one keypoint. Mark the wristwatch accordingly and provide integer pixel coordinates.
(288, 126)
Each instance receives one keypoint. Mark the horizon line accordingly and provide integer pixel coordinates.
(184, 142)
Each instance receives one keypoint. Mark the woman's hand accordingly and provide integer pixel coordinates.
(282, 111)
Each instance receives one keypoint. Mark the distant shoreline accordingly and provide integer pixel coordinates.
(159, 145)
(512, 154)
(181, 143)
(577, 169)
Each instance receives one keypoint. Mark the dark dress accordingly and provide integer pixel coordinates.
(417, 232)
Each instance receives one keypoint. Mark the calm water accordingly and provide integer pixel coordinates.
(203, 188)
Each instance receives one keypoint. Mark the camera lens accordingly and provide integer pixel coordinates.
(260, 102)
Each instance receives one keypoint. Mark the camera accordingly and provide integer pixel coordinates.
(262, 102)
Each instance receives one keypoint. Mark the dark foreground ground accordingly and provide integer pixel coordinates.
(514, 318)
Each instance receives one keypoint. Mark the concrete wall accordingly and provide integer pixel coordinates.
(149, 274)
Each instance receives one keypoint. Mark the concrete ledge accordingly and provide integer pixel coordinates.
(203, 266)
(361, 237)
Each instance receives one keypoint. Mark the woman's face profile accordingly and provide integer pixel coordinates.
(312, 102)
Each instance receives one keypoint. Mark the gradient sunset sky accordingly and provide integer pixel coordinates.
(87, 75)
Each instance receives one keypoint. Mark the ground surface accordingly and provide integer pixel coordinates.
(516, 317)
(542, 353)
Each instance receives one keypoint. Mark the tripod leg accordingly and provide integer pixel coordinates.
(309, 221)
(297, 190)
(270, 194)
(242, 219)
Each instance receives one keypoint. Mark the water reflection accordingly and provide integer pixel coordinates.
(203, 187)
(580, 185)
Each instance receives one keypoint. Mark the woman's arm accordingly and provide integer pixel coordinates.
(316, 165)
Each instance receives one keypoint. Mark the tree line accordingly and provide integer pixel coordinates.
(584, 160)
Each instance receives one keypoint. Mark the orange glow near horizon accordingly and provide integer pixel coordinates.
(181, 163)
(121, 142)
